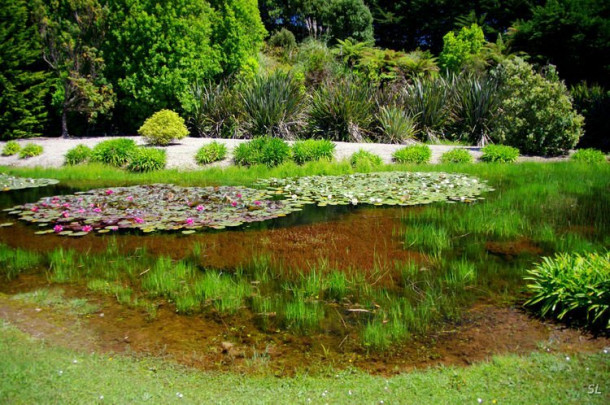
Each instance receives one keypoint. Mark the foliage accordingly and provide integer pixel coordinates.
(499, 153)
(264, 150)
(537, 115)
(396, 125)
(79, 154)
(214, 110)
(114, 152)
(72, 33)
(460, 49)
(417, 154)
(573, 287)
(163, 127)
(343, 110)
(273, 105)
(593, 102)
(210, 153)
(316, 61)
(8, 182)
(23, 82)
(283, 39)
(30, 150)
(457, 155)
(10, 148)
(312, 149)
(364, 160)
(476, 104)
(147, 160)
(348, 19)
(589, 156)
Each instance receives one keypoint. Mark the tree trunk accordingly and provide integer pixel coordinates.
(64, 124)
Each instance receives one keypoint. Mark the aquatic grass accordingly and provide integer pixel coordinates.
(428, 238)
(338, 286)
(63, 265)
(167, 278)
(225, 293)
(15, 261)
(55, 298)
(302, 314)
(459, 274)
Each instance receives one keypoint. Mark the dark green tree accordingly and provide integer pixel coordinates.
(23, 80)
(71, 33)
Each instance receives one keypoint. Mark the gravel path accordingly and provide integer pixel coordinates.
(181, 155)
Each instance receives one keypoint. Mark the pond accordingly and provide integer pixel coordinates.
(347, 285)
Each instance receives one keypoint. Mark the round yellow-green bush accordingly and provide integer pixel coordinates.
(163, 127)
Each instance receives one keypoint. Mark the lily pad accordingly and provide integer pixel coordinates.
(8, 183)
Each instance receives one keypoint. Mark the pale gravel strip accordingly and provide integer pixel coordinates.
(181, 155)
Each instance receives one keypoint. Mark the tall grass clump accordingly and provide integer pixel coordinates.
(63, 266)
(167, 278)
(457, 155)
(312, 149)
(589, 155)
(79, 154)
(572, 287)
(114, 152)
(274, 105)
(11, 148)
(212, 152)
(499, 154)
(396, 124)
(222, 290)
(147, 160)
(365, 161)
(15, 261)
(30, 150)
(416, 154)
(264, 150)
(429, 101)
(303, 314)
(475, 107)
(343, 110)
(214, 110)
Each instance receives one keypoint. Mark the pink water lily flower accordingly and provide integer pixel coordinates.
(130, 198)
(200, 208)
(138, 220)
(234, 203)
(65, 214)
(58, 228)
(238, 195)
(66, 205)
(87, 228)
(97, 210)
(189, 221)
(257, 203)
(109, 192)
(34, 209)
(80, 211)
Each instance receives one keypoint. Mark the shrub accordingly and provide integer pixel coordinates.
(456, 156)
(364, 160)
(30, 150)
(11, 148)
(343, 111)
(316, 62)
(274, 105)
(283, 39)
(211, 152)
(312, 149)
(264, 150)
(79, 154)
(114, 152)
(593, 102)
(459, 50)
(214, 110)
(589, 156)
(499, 153)
(163, 127)
(396, 124)
(573, 287)
(413, 154)
(428, 100)
(536, 112)
(147, 160)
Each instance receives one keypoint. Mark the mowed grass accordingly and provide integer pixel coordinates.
(32, 372)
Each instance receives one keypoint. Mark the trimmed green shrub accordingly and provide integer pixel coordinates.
(274, 105)
(147, 160)
(589, 156)
(79, 154)
(396, 125)
(30, 150)
(343, 110)
(499, 153)
(211, 152)
(364, 160)
(456, 156)
(11, 148)
(573, 287)
(265, 150)
(417, 154)
(163, 127)
(312, 149)
(114, 152)
(537, 114)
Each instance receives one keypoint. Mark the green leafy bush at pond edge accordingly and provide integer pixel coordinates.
(210, 153)
(364, 160)
(163, 127)
(457, 155)
(114, 152)
(499, 153)
(573, 287)
(264, 150)
(10, 148)
(79, 154)
(312, 149)
(147, 160)
(589, 155)
(417, 154)
(30, 150)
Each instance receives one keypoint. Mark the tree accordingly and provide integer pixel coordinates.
(23, 81)
(71, 32)
(349, 19)
(459, 49)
